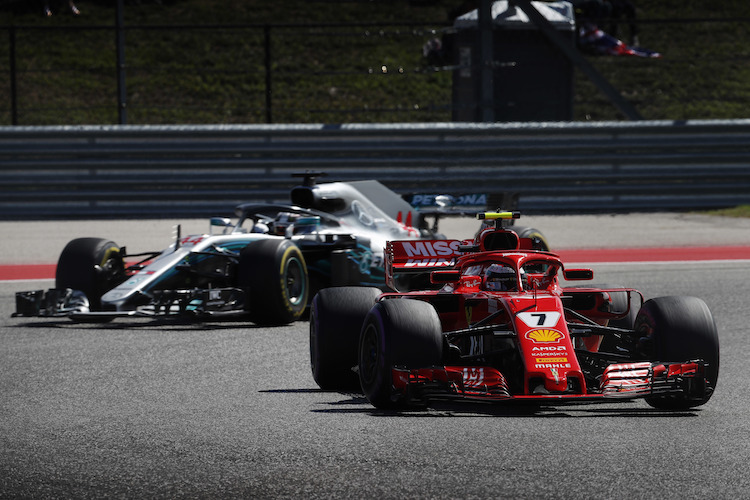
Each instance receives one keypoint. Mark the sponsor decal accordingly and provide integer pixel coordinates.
(473, 377)
(551, 349)
(428, 200)
(428, 263)
(552, 365)
(471, 282)
(544, 335)
(430, 248)
(562, 353)
(551, 360)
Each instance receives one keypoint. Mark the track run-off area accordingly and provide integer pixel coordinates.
(30, 249)
(168, 409)
(13, 272)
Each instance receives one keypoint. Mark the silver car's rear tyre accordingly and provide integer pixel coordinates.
(538, 240)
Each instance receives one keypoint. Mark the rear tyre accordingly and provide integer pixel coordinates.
(91, 265)
(274, 276)
(401, 333)
(680, 329)
(538, 241)
(336, 317)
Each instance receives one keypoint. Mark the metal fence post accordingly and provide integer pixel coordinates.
(267, 63)
(13, 76)
(122, 115)
(487, 62)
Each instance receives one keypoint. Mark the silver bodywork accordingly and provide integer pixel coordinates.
(340, 228)
(165, 265)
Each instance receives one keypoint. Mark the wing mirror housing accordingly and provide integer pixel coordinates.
(578, 274)
(445, 276)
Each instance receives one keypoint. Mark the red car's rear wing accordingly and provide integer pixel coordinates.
(420, 256)
(411, 256)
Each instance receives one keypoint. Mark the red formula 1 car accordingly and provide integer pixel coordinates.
(496, 324)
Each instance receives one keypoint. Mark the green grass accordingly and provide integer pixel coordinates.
(741, 211)
(333, 74)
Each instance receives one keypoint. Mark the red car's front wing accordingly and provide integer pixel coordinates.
(619, 381)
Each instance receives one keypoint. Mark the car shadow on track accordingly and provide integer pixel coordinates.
(171, 324)
(353, 402)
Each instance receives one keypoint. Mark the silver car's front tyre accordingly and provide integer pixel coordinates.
(274, 276)
(92, 266)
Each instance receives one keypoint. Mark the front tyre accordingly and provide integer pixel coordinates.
(91, 265)
(274, 276)
(680, 329)
(403, 333)
(336, 317)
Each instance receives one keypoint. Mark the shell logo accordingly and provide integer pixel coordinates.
(544, 335)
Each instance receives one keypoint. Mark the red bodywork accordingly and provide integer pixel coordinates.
(530, 326)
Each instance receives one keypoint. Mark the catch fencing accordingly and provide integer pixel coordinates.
(66, 172)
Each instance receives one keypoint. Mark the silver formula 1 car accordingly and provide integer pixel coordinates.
(268, 263)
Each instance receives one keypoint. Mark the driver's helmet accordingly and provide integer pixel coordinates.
(500, 278)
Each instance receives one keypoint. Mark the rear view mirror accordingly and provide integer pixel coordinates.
(221, 221)
(224, 222)
(578, 274)
(450, 276)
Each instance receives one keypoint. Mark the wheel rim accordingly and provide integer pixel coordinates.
(112, 269)
(294, 281)
(370, 356)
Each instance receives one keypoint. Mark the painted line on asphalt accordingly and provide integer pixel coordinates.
(645, 255)
(24, 272)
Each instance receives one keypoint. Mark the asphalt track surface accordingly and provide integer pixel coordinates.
(142, 408)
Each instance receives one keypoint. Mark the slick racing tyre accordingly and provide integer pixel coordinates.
(538, 241)
(403, 333)
(92, 266)
(680, 329)
(274, 276)
(336, 317)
